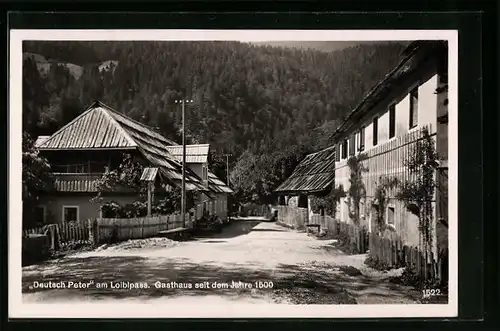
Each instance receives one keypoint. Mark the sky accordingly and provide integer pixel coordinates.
(327, 46)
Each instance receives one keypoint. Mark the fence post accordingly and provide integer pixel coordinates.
(142, 223)
(58, 237)
(89, 229)
(97, 232)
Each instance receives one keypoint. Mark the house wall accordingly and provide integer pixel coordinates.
(87, 209)
(386, 158)
(217, 206)
(292, 201)
(221, 205)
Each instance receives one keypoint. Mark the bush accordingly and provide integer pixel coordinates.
(347, 244)
(135, 209)
(166, 206)
(111, 210)
(376, 263)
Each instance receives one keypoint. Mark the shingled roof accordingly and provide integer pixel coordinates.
(417, 53)
(217, 185)
(101, 127)
(315, 173)
(194, 153)
(199, 154)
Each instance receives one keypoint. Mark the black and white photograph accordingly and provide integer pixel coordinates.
(228, 174)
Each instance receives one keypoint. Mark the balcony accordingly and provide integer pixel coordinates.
(76, 182)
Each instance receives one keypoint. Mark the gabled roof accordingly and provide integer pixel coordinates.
(217, 185)
(40, 140)
(101, 127)
(149, 174)
(315, 173)
(417, 53)
(194, 153)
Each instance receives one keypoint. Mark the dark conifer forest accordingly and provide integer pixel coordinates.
(267, 106)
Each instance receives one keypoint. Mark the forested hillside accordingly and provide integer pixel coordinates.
(268, 106)
(325, 46)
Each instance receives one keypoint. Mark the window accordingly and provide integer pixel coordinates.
(375, 131)
(302, 203)
(337, 152)
(70, 213)
(390, 215)
(205, 172)
(392, 121)
(344, 149)
(40, 214)
(352, 145)
(414, 108)
(361, 141)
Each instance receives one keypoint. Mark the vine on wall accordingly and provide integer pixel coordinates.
(381, 197)
(418, 193)
(127, 175)
(327, 203)
(357, 189)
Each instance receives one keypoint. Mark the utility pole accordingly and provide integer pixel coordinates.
(183, 198)
(227, 178)
(227, 167)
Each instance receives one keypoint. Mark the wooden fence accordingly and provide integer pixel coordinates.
(105, 230)
(327, 224)
(394, 254)
(293, 217)
(98, 231)
(353, 237)
(251, 209)
(63, 234)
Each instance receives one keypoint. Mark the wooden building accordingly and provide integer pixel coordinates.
(314, 175)
(385, 127)
(80, 151)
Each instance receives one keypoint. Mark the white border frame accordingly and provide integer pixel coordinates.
(18, 309)
(70, 206)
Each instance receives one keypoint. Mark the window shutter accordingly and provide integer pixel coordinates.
(392, 121)
(414, 108)
(344, 149)
(362, 139)
(337, 153)
(352, 145)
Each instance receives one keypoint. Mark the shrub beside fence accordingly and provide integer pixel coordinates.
(394, 254)
(354, 238)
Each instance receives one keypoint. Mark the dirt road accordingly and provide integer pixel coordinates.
(281, 265)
